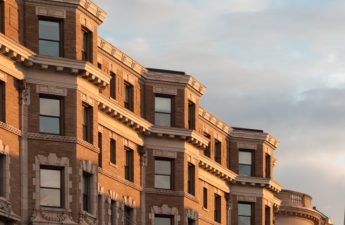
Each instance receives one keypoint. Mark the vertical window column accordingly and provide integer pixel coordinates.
(191, 179)
(129, 167)
(50, 37)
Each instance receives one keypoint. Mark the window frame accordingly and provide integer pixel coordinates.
(2, 16)
(62, 185)
(61, 34)
(112, 151)
(191, 179)
(251, 212)
(87, 181)
(217, 208)
(87, 45)
(172, 169)
(113, 209)
(112, 88)
(267, 215)
(88, 127)
(218, 151)
(171, 217)
(172, 111)
(191, 115)
(129, 96)
(130, 215)
(268, 164)
(2, 101)
(252, 165)
(129, 164)
(61, 116)
(205, 198)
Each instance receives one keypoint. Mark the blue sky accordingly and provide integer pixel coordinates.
(277, 64)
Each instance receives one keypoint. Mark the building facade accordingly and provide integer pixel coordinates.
(90, 136)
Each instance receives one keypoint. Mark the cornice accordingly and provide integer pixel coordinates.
(190, 136)
(265, 137)
(261, 182)
(86, 70)
(120, 56)
(214, 121)
(302, 212)
(217, 169)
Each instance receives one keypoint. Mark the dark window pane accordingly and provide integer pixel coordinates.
(162, 181)
(2, 101)
(163, 167)
(163, 104)
(49, 48)
(50, 178)
(50, 197)
(245, 170)
(163, 221)
(49, 107)
(49, 30)
(162, 119)
(2, 175)
(49, 125)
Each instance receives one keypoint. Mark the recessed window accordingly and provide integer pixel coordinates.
(205, 196)
(163, 111)
(51, 187)
(113, 85)
(2, 175)
(50, 115)
(267, 166)
(245, 214)
(87, 123)
(100, 147)
(191, 179)
(128, 216)
(112, 151)
(191, 115)
(129, 166)
(2, 17)
(163, 173)
(207, 151)
(87, 191)
(87, 45)
(218, 151)
(191, 221)
(2, 101)
(245, 163)
(113, 212)
(217, 208)
(50, 38)
(267, 215)
(163, 220)
(129, 96)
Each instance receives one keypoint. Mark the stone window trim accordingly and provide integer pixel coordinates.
(191, 214)
(5, 151)
(51, 12)
(54, 161)
(166, 211)
(113, 196)
(88, 167)
(164, 154)
(51, 90)
(129, 202)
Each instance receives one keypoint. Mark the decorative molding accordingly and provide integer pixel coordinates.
(10, 128)
(51, 90)
(166, 90)
(87, 219)
(246, 145)
(222, 126)
(87, 99)
(191, 214)
(164, 153)
(261, 182)
(217, 169)
(260, 136)
(6, 211)
(165, 210)
(51, 12)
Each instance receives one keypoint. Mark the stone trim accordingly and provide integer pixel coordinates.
(5, 152)
(87, 99)
(192, 214)
(120, 179)
(246, 145)
(164, 210)
(166, 90)
(113, 196)
(51, 12)
(51, 90)
(10, 128)
(213, 120)
(164, 153)
(44, 215)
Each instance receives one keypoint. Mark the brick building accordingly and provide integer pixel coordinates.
(90, 136)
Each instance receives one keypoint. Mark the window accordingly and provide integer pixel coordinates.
(113, 212)
(51, 187)
(50, 38)
(163, 220)
(87, 123)
(267, 215)
(129, 167)
(50, 115)
(128, 216)
(191, 179)
(86, 50)
(218, 149)
(268, 166)
(112, 151)
(245, 163)
(2, 175)
(163, 111)
(87, 191)
(191, 115)
(100, 209)
(163, 173)
(191, 221)
(2, 16)
(100, 147)
(205, 196)
(99, 65)
(113, 85)
(207, 151)
(129, 96)
(217, 208)
(245, 214)
(2, 102)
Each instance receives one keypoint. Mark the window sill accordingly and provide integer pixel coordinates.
(205, 209)
(112, 165)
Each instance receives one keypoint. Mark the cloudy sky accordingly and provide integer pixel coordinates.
(276, 65)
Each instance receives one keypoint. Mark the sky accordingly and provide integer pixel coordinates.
(275, 65)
